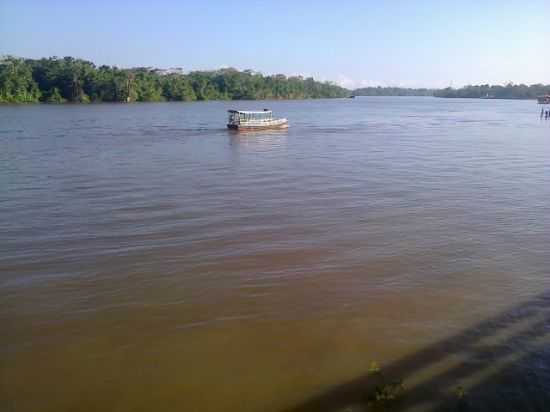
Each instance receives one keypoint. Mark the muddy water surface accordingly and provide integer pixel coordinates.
(152, 260)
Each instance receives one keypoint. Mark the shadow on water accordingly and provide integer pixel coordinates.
(500, 364)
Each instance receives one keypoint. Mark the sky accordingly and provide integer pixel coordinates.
(353, 43)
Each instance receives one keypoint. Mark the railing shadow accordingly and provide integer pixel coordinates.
(504, 363)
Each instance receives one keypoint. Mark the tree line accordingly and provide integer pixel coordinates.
(67, 79)
(60, 80)
(486, 91)
(392, 91)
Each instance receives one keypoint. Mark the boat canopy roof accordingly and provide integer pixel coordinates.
(250, 111)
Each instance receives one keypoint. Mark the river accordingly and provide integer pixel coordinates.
(150, 259)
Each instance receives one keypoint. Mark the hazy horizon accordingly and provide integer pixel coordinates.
(357, 44)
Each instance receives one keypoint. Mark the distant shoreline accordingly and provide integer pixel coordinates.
(70, 80)
(120, 103)
(106, 103)
(454, 97)
(490, 92)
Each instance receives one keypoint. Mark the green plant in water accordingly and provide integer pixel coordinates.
(374, 368)
(462, 404)
(460, 392)
(386, 393)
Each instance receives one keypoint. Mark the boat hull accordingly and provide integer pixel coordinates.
(275, 124)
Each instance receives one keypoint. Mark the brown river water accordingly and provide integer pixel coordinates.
(151, 260)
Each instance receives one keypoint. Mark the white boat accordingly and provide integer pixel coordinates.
(254, 120)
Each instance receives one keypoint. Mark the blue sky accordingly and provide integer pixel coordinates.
(355, 43)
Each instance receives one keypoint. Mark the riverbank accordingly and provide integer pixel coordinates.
(510, 91)
(70, 80)
(507, 92)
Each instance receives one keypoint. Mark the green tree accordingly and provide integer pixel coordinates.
(75, 80)
(16, 82)
(55, 97)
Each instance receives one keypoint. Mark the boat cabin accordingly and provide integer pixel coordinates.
(237, 117)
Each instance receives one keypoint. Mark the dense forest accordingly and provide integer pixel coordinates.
(392, 91)
(60, 80)
(509, 91)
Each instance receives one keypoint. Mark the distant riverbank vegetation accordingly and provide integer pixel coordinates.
(392, 91)
(486, 91)
(508, 91)
(60, 80)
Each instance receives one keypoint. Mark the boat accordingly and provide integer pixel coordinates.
(254, 120)
(544, 99)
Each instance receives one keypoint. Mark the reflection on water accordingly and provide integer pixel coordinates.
(152, 259)
(259, 139)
